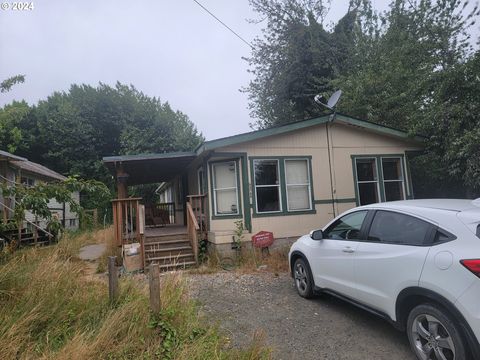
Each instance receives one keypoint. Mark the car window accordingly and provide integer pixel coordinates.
(442, 236)
(395, 228)
(347, 227)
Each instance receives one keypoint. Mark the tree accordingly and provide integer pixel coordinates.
(296, 59)
(7, 84)
(454, 125)
(11, 119)
(71, 131)
(399, 59)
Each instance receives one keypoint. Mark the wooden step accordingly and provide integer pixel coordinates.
(38, 243)
(168, 249)
(178, 266)
(174, 259)
(161, 238)
(167, 244)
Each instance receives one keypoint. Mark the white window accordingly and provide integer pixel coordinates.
(367, 180)
(267, 186)
(393, 178)
(297, 176)
(225, 188)
(200, 181)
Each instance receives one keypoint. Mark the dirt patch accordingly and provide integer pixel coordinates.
(323, 328)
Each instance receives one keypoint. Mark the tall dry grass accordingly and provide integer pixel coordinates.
(49, 309)
(247, 260)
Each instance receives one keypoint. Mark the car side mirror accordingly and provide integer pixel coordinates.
(316, 235)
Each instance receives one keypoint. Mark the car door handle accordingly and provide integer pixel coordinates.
(348, 249)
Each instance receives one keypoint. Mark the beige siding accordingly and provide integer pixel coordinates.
(344, 141)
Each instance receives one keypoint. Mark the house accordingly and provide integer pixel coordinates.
(288, 179)
(15, 169)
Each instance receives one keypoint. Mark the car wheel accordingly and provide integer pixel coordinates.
(303, 278)
(433, 335)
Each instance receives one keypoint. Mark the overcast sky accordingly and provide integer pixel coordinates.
(169, 49)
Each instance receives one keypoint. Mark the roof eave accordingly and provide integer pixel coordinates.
(380, 128)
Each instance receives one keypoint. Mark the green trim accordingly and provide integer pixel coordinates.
(379, 128)
(312, 195)
(149, 156)
(283, 185)
(355, 182)
(288, 157)
(260, 134)
(228, 154)
(337, 201)
(378, 158)
(246, 194)
(411, 194)
(303, 212)
(239, 203)
(207, 178)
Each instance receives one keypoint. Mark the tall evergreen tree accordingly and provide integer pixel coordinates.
(296, 59)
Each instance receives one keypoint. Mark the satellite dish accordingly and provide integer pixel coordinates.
(331, 103)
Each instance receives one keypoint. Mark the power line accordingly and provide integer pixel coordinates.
(225, 25)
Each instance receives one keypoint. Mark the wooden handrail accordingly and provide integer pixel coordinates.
(192, 216)
(127, 199)
(192, 230)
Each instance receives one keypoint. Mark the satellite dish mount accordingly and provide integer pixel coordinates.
(331, 103)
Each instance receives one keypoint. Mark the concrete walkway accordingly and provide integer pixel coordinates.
(92, 252)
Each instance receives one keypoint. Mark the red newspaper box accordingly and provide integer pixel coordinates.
(263, 239)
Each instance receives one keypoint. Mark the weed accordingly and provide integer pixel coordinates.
(49, 309)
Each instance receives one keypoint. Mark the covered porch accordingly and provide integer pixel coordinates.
(169, 227)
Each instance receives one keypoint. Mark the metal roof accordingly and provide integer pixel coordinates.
(37, 169)
(10, 156)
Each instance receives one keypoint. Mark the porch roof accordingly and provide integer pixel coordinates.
(149, 168)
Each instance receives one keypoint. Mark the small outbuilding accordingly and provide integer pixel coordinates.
(15, 169)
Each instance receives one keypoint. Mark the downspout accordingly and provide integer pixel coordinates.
(330, 160)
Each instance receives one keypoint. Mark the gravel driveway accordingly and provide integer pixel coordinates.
(323, 328)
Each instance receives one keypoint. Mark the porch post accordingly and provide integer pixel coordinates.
(122, 176)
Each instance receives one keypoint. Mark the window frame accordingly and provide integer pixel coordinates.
(308, 184)
(429, 240)
(407, 185)
(282, 182)
(363, 229)
(358, 182)
(200, 180)
(278, 186)
(402, 170)
(215, 215)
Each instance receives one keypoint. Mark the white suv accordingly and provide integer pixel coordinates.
(415, 262)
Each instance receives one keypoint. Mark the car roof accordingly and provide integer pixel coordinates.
(456, 205)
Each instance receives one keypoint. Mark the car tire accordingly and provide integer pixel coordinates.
(432, 332)
(303, 278)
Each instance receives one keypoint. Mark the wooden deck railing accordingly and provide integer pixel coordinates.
(199, 207)
(126, 220)
(192, 230)
(160, 214)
